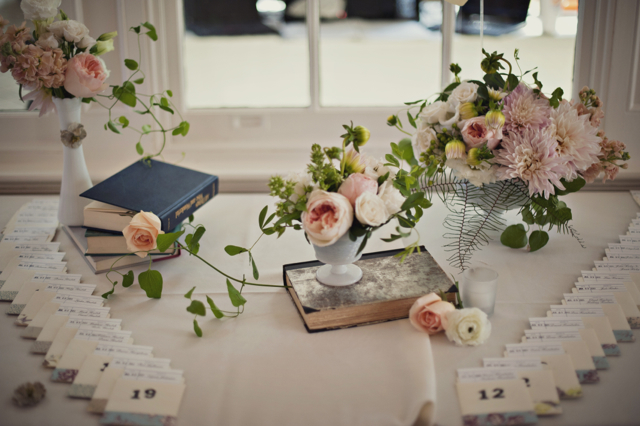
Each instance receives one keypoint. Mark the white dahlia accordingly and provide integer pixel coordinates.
(578, 145)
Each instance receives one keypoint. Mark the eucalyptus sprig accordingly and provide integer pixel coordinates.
(127, 94)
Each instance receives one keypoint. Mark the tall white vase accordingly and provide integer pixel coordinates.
(75, 176)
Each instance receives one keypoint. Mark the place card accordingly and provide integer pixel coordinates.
(8, 251)
(23, 230)
(43, 304)
(59, 319)
(539, 382)
(28, 290)
(596, 321)
(35, 257)
(63, 338)
(615, 296)
(610, 287)
(95, 364)
(25, 239)
(606, 266)
(624, 248)
(83, 344)
(605, 276)
(23, 273)
(574, 346)
(553, 358)
(629, 239)
(613, 311)
(494, 396)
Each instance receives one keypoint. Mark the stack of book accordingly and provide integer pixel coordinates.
(170, 192)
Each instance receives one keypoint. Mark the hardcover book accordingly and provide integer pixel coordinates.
(171, 192)
(100, 243)
(386, 291)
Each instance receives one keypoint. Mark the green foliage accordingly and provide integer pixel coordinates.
(196, 328)
(189, 293)
(234, 250)
(234, 295)
(197, 308)
(537, 240)
(515, 236)
(131, 64)
(151, 282)
(165, 241)
(556, 97)
(127, 279)
(216, 312)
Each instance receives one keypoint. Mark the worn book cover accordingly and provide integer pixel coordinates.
(386, 291)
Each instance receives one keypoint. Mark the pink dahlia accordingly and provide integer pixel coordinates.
(531, 156)
(578, 144)
(523, 109)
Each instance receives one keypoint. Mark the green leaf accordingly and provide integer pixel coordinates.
(512, 82)
(392, 237)
(164, 101)
(127, 279)
(139, 81)
(113, 127)
(527, 216)
(411, 120)
(406, 150)
(236, 298)
(200, 230)
(165, 241)
(412, 200)
(413, 103)
(197, 308)
(128, 87)
(256, 274)
(405, 223)
(196, 328)
(495, 81)
(131, 64)
(170, 93)
(110, 292)
(393, 160)
(151, 282)
(139, 148)
(537, 240)
(191, 218)
(124, 121)
(515, 236)
(185, 127)
(152, 31)
(216, 312)
(262, 216)
(165, 108)
(146, 129)
(569, 187)
(234, 250)
(136, 29)
(189, 293)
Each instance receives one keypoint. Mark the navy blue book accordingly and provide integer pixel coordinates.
(170, 192)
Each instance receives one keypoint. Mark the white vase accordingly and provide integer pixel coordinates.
(75, 176)
(338, 258)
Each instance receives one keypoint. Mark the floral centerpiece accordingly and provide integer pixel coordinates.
(59, 65)
(502, 143)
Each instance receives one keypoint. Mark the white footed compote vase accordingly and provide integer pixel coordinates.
(338, 258)
(75, 176)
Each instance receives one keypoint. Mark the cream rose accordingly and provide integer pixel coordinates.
(85, 76)
(39, 10)
(468, 326)
(355, 185)
(449, 115)
(328, 217)
(375, 168)
(69, 30)
(465, 92)
(429, 313)
(391, 197)
(370, 210)
(475, 132)
(421, 140)
(142, 232)
(431, 113)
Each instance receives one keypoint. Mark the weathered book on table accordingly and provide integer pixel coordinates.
(101, 243)
(386, 291)
(171, 192)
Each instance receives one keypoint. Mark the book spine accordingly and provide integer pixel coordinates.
(188, 205)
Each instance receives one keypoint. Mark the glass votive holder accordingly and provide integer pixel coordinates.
(478, 287)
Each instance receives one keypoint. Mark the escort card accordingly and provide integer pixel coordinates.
(24, 273)
(31, 231)
(610, 287)
(35, 316)
(540, 383)
(83, 344)
(574, 346)
(28, 289)
(598, 322)
(59, 319)
(616, 267)
(617, 320)
(8, 251)
(629, 239)
(624, 248)
(599, 276)
(554, 359)
(621, 297)
(486, 395)
(94, 365)
(15, 238)
(588, 335)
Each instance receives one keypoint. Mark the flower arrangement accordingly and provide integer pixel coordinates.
(342, 192)
(60, 60)
(466, 327)
(502, 143)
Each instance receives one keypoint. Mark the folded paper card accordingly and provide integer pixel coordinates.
(9, 251)
(591, 318)
(23, 273)
(29, 289)
(44, 304)
(585, 295)
(610, 286)
(613, 311)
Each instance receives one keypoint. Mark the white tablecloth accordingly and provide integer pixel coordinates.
(263, 368)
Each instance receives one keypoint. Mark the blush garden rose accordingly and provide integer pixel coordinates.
(142, 232)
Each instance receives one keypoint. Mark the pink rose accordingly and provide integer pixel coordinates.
(142, 232)
(429, 313)
(85, 75)
(475, 132)
(328, 217)
(355, 185)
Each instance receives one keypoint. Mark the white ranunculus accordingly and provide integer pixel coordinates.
(47, 40)
(431, 113)
(39, 10)
(375, 168)
(468, 326)
(449, 115)
(87, 42)
(69, 30)
(465, 92)
(391, 197)
(370, 209)
(421, 140)
(303, 180)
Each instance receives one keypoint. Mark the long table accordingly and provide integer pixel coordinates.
(263, 368)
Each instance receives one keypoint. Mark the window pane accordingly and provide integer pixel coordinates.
(379, 53)
(242, 53)
(543, 30)
(9, 99)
